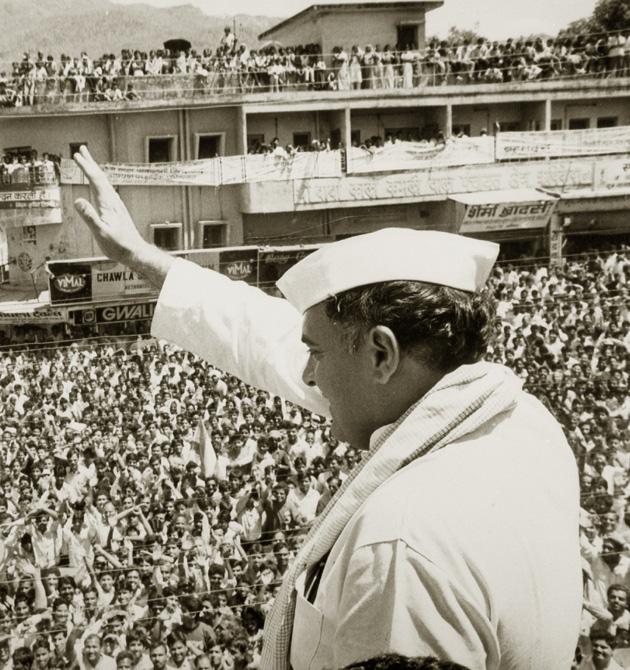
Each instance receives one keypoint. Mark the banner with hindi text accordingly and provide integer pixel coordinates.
(220, 171)
(559, 143)
(421, 155)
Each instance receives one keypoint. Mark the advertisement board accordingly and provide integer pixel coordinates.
(273, 262)
(114, 313)
(99, 280)
(69, 281)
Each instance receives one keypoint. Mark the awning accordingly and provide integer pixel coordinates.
(510, 209)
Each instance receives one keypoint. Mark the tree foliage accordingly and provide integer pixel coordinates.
(612, 14)
(608, 15)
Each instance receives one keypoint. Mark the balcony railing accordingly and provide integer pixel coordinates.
(81, 89)
(26, 175)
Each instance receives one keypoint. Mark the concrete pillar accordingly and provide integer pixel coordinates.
(182, 142)
(347, 128)
(111, 136)
(448, 120)
(556, 240)
(547, 124)
(241, 138)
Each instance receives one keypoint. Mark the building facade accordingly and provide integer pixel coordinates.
(187, 126)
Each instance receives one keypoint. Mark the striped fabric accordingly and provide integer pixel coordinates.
(462, 402)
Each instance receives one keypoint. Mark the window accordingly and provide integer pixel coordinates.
(167, 236)
(29, 234)
(161, 149)
(606, 121)
(213, 234)
(355, 137)
(509, 126)
(462, 128)
(556, 124)
(579, 124)
(75, 146)
(210, 145)
(301, 140)
(254, 141)
(407, 34)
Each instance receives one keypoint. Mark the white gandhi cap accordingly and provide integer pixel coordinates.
(390, 254)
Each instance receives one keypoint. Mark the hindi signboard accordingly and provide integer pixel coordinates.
(559, 143)
(505, 210)
(398, 156)
(40, 315)
(31, 198)
(220, 171)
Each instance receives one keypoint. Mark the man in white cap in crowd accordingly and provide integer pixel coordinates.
(457, 533)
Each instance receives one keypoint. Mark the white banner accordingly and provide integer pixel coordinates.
(613, 174)
(507, 216)
(421, 155)
(215, 171)
(558, 143)
(431, 184)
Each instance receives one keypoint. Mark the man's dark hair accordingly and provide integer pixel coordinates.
(603, 635)
(446, 327)
(398, 662)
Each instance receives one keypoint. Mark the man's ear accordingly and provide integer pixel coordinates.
(384, 352)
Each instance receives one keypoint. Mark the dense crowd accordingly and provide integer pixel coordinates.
(127, 542)
(234, 68)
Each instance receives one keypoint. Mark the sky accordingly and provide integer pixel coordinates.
(496, 19)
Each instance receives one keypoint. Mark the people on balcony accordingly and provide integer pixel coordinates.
(234, 68)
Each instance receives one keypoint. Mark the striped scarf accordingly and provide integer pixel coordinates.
(460, 403)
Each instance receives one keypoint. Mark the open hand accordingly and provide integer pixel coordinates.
(108, 218)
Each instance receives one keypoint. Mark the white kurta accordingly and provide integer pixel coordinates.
(470, 554)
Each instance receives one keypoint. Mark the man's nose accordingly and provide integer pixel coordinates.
(308, 376)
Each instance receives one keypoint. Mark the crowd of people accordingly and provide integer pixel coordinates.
(150, 503)
(28, 168)
(235, 68)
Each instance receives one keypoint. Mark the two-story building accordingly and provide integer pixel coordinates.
(189, 123)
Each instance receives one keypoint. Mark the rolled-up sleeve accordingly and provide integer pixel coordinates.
(239, 329)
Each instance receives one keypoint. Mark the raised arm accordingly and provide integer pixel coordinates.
(236, 327)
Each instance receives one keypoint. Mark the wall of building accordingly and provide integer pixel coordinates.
(54, 134)
(484, 117)
(215, 120)
(283, 126)
(348, 26)
(371, 123)
(327, 224)
(564, 111)
(367, 26)
(303, 30)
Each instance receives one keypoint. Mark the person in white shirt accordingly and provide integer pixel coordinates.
(421, 549)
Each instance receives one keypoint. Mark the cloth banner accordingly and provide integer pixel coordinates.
(613, 174)
(421, 155)
(34, 198)
(219, 171)
(558, 143)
